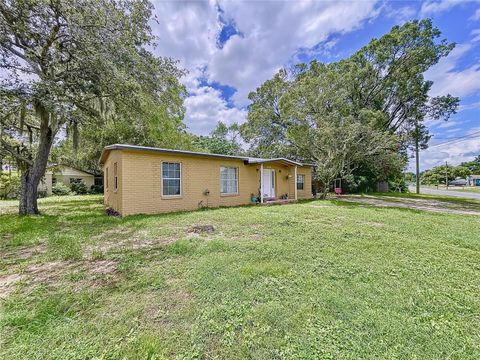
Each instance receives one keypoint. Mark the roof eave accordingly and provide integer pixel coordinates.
(247, 160)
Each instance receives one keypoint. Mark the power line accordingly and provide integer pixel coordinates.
(460, 139)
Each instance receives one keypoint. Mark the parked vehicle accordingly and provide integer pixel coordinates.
(458, 182)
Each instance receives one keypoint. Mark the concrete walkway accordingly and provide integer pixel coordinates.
(457, 193)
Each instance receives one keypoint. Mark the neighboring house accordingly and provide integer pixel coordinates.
(66, 175)
(145, 180)
(473, 180)
(9, 168)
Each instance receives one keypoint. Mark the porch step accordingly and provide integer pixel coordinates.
(278, 201)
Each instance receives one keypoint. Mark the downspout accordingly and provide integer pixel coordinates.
(261, 183)
(295, 182)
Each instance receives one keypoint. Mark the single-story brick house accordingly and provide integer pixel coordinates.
(146, 180)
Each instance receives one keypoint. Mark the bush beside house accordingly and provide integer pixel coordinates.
(9, 185)
(60, 189)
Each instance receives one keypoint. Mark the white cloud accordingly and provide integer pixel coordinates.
(205, 108)
(447, 80)
(449, 124)
(476, 15)
(471, 106)
(453, 130)
(454, 151)
(434, 7)
(402, 14)
(271, 33)
(476, 35)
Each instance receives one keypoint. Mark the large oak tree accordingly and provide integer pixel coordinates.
(68, 64)
(361, 112)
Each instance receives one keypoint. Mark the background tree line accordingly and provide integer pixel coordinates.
(439, 174)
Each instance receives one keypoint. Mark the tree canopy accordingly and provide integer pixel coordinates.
(358, 113)
(222, 140)
(78, 64)
(438, 174)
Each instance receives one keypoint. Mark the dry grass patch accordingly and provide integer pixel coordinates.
(55, 274)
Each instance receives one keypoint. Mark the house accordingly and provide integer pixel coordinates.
(473, 180)
(66, 175)
(146, 180)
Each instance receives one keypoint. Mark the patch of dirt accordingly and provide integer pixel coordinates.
(7, 284)
(54, 273)
(114, 232)
(202, 229)
(417, 204)
(159, 309)
(24, 252)
(373, 224)
(134, 243)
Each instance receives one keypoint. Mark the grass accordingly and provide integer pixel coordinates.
(310, 280)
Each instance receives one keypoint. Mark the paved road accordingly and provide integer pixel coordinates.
(461, 194)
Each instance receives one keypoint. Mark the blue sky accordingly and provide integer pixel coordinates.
(230, 47)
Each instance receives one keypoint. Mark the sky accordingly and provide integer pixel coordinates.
(229, 48)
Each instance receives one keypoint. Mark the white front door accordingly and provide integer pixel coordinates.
(268, 183)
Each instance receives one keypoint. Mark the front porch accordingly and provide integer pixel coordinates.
(276, 180)
(278, 201)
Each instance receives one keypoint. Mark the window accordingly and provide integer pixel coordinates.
(228, 180)
(115, 177)
(171, 179)
(75, 181)
(300, 182)
(54, 180)
(106, 178)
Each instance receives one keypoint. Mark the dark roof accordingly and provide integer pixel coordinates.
(246, 159)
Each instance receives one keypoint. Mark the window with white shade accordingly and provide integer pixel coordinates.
(115, 177)
(228, 180)
(171, 179)
(300, 182)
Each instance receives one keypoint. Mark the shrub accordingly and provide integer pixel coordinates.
(398, 185)
(112, 212)
(78, 187)
(9, 185)
(61, 189)
(96, 189)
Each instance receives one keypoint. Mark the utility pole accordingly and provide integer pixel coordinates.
(417, 166)
(446, 174)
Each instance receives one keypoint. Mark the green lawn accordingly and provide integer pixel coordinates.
(312, 280)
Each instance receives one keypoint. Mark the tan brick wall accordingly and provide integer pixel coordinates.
(306, 193)
(113, 198)
(140, 182)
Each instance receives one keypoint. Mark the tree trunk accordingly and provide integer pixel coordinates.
(34, 172)
(28, 193)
